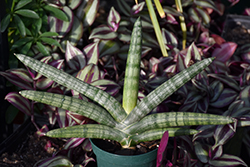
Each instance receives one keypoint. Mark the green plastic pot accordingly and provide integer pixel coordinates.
(106, 159)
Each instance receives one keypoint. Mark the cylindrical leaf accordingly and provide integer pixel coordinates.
(132, 73)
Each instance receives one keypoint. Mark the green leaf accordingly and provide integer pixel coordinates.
(87, 109)
(132, 73)
(96, 131)
(22, 3)
(156, 134)
(173, 119)
(20, 25)
(42, 49)
(50, 41)
(21, 42)
(49, 34)
(25, 49)
(5, 22)
(56, 12)
(162, 92)
(27, 13)
(67, 80)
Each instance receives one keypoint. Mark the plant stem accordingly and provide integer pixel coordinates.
(182, 23)
(156, 28)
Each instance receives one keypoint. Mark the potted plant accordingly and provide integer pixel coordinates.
(131, 123)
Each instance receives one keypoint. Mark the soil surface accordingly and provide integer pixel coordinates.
(31, 150)
(239, 34)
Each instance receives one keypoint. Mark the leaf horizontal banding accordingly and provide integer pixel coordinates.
(162, 92)
(156, 134)
(101, 97)
(96, 131)
(79, 106)
(173, 119)
(132, 73)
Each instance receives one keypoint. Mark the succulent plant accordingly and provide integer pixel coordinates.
(126, 127)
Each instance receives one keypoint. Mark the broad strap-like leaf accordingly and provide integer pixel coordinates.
(101, 97)
(95, 131)
(165, 90)
(173, 119)
(79, 106)
(156, 134)
(132, 73)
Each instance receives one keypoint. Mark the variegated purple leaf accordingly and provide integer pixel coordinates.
(74, 57)
(42, 131)
(201, 151)
(203, 15)
(216, 89)
(87, 12)
(162, 150)
(225, 51)
(19, 102)
(171, 19)
(43, 83)
(73, 142)
(226, 80)
(169, 38)
(55, 161)
(113, 19)
(87, 159)
(86, 145)
(50, 112)
(206, 131)
(89, 73)
(102, 32)
(226, 97)
(109, 86)
(137, 8)
(92, 52)
(227, 160)
(215, 152)
(222, 134)
(192, 55)
(16, 80)
(59, 26)
(22, 74)
(193, 14)
(78, 119)
(73, 4)
(74, 35)
(246, 12)
(244, 95)
(61, 117)
(172, 11)
(207, 4)
(108, 47)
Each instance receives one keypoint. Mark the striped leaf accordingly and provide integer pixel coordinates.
(165, 90)
(173, 119)
(96, 131)
(79, 106)
(131, 81)
(95, 94)
(156, 134)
